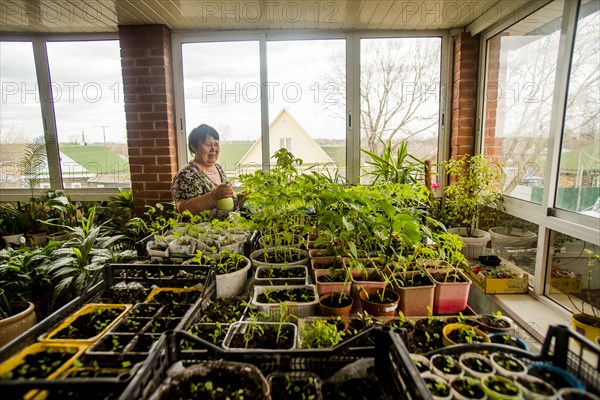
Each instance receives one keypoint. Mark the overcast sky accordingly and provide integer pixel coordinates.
(221, 88)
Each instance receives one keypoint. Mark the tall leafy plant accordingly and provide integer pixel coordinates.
(472, 195)
(397, 166)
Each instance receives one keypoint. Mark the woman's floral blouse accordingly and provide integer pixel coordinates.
(192, 182)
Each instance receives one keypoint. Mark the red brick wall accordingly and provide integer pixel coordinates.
(464, 94)
(492, 148)
(147, 70)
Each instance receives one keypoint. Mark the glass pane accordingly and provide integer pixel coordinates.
(20, 112)
(221, 84)
(574, 273)
(579, 180)
(399, 94)
(87, 89)
(515, 240)
(519, 85)
(307, 104)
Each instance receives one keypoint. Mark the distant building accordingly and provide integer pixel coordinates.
(286, 132)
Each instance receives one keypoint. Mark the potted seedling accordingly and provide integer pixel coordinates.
(467, 388)
(416, 290)
(295, 275)
(494, 323)
(319, 334)
(297, 300)
(476, 365)
(383, 302)
(231, 269)
(508, 365)
(215, 379)
(336, 304)
(509, 339)
(428, 334)
(41, 361)
(587, 322)
(558, 377)
(421, 362)
(534, 388)
(446, 366)
(332, 280)
(158, 246)
(451, 290)
(226, 310)
(438, 386)
(463, 334)
(500, 388)
(576, 394)
(182, 246)
(300, 385)
(472, 198)
(256, 335)
(213, 332)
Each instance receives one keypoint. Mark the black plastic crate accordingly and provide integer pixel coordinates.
(563, 348)
(394, 370)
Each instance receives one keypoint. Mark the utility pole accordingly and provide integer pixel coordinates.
(105, 152)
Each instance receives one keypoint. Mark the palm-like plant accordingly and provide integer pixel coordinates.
(88, 248)
(404, 168)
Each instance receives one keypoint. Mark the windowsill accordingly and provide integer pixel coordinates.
(532, 314)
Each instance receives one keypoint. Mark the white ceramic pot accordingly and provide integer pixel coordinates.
(233, 283)
(474, 246)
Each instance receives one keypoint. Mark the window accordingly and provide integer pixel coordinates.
(286, 143)
(307, 96)
(573, 276)
(20, 112)
(399, 94)
(221, 82)
(307, 85)
(579, 174)
(520, 74)
(87, 91)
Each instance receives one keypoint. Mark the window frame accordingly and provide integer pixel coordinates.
(352, 82)
(546, 215)
(42, 68)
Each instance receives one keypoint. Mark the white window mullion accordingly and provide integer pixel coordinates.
(353, 108)
(48, 114)
(264, 103)
(180, 127)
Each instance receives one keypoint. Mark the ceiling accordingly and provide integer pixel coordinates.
(68, 16)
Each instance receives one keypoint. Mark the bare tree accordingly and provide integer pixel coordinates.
(399, 89)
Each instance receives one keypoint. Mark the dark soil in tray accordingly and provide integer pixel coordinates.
(40, 364)
(280, 257)
(124, 296)
(267, 340)
(280, 273)
(493, 321)
(131, 325)
(96, 394)
(113, 343)
(177, 311)
(143, 343)
(146, 310)
(171, 298)
(299, 295)
(290, 387)
(225, 310)
(88, 325)
(336, 276)
(359, 389)
(160, 325)
(465, 336)
(217, 385)
(212, 333)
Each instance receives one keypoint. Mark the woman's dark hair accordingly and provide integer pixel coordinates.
(199, 134)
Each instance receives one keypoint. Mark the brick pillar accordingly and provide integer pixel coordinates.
(147, 67)
(464, 94)
(492, 143)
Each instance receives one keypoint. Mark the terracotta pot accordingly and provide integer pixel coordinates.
(331, 307)
(14, 326)
(380, 309)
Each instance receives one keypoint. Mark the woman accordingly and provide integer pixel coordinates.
(199, 185)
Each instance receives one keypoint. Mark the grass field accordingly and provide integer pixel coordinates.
(232, 153)
(95, 158)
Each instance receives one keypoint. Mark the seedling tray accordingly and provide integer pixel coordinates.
(395, 375)
(489, 284)
(298, 309)
(87, 309)
(22, 388)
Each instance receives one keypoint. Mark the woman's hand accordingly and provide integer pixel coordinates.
(222, 191)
